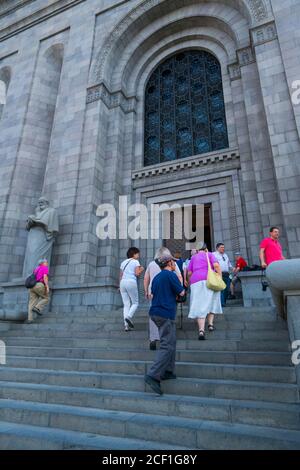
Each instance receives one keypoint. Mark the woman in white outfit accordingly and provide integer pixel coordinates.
(204, 302)
(130, 269)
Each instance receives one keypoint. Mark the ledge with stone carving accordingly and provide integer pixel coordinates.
(218, 160)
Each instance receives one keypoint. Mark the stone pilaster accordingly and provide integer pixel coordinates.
(283, 136)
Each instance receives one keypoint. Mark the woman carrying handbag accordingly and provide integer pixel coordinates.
(206, 282)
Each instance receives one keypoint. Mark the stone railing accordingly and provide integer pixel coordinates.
(284, 280)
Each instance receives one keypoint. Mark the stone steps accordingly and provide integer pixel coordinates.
(130, 354)
(282, 415)
(196, 434)
(74, 379)
(142, 317)
(144, 309)
(19, 436)
(141, 335)
(107, 326)
(231, 389)
(128, 341)
(184, 369)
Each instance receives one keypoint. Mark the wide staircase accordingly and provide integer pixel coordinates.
(76, 381)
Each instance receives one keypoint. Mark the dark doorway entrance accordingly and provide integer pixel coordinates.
(179, 246)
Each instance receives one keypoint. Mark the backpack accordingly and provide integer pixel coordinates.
(31, 281)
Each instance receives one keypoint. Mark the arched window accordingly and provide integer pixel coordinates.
(184, 108)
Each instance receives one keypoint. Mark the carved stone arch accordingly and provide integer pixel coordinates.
(139, 49)
(160, 51)
(54, 55)
(251, 10)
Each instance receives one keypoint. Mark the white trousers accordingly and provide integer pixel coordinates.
(130, 297)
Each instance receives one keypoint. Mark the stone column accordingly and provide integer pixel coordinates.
(112, 189)
(251, 211)
(83, 247)
(287, 19)
(282, 129)
(266, 184)
(63, 167)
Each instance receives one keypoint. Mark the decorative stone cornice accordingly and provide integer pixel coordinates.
(111, 100)
(37, 17)
(246, 56)
(259, 35)
(234, 71)
(186, 163)
(9, 6)
(264, 33)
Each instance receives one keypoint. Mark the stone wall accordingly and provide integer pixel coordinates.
(72, 127)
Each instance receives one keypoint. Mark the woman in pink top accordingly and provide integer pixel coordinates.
(39, 294)
(204, 302)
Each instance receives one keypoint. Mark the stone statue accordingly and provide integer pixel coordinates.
(43, 228)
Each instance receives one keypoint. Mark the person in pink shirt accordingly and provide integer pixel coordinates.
(39, 294)
(204, 302)
(270, 249)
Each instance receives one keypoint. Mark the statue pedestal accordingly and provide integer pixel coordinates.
(64, 299)
(14, 301)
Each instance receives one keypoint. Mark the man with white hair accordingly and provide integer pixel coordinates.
(152, 270)
(39, 294)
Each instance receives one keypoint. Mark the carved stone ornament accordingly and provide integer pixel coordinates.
(111, 100)
(264, 33)
(234, 71)
(257, 7)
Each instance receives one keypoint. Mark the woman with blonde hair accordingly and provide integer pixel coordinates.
(204, 302)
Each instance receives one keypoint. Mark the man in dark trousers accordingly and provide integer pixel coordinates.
(165, 288)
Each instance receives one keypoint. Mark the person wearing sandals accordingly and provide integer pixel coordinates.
(204, 302)
(130, 270)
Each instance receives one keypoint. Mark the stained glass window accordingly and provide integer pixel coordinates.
(184, 108)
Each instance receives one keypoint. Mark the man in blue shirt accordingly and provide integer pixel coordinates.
(165, 288)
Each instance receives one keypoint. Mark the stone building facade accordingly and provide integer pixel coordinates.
(75, 75)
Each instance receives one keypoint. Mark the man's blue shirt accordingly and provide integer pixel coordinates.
(165, 288)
